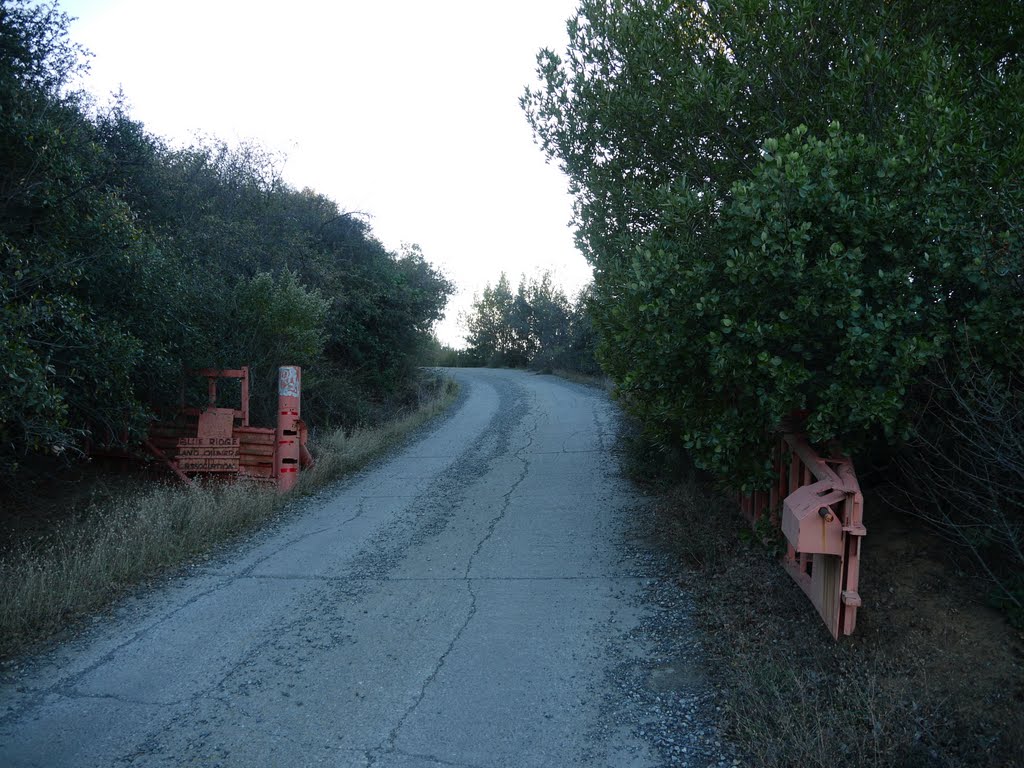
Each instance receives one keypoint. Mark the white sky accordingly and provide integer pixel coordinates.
(405, 110)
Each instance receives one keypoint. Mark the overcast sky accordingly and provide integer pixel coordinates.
(405, 110)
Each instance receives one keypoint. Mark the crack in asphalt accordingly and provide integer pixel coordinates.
(454, 513)
(258, 648)
(388, 745)
(248, 570)
(565, 452)
(435, 759)
(66, 687)
(353, 577)
(440, 579)
(74, 695)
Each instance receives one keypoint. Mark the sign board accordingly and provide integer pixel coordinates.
(208, 454)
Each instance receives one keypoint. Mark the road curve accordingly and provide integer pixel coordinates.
(469, 601)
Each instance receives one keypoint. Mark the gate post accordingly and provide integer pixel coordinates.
(287, 448)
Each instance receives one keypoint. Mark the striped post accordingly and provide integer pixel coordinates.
(287, 448)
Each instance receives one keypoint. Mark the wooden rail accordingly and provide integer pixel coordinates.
(220, 441)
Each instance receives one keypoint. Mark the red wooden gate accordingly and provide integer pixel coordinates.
(220, 440)
(818, 504)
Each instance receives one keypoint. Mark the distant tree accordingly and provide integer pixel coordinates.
(536, 327)
(489, 324)
(435, 353)
(546, 317)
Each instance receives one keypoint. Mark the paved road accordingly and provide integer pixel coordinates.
(470, 601)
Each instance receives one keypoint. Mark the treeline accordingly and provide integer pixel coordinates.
(536, 326)
(124, 261)
(795, 211)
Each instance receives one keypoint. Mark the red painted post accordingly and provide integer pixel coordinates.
(245, 396)
(287, 449)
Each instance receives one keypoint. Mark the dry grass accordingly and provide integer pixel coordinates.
(931, 678)
(603, 382)
(82, 565)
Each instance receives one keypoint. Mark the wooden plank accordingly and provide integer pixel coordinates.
(172, 432)
(257, 450)
(257, 473)
(208, 464)
(258, 438)
(269, 440)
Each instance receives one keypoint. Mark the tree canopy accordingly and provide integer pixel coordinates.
(790, 208)
(124, 261)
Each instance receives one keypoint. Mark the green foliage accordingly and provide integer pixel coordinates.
(124, 262)
(434, 353)
(789, 211)
(66, 245)
(766, 534)
(537, 326)
(491, 328)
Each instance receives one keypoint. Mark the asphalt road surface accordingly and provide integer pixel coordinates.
(479, 598)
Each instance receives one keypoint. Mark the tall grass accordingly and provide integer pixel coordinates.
(46, 585)
(927, 681)
(341, 452)
(903, 691)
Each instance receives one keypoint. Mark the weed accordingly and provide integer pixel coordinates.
(766, 534)
(83, 564)
(929, 679)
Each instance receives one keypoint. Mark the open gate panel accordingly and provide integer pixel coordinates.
(819, 506)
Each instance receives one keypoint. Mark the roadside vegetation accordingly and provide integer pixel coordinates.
(815, 215)
(809, 215)
(932, 678)
(91, 555)
(125, 260)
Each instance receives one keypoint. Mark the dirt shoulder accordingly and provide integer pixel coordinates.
(932, 677)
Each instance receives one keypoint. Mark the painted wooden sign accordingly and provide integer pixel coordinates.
(208, 454)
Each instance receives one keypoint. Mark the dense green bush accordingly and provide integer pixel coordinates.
(124, 262)
(788, 209)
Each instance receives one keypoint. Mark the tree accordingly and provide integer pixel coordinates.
(788, 209)
(67, 246)
(227, 216)
(489, 324)
(550, 314)
(537, 327)
(124, 261)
